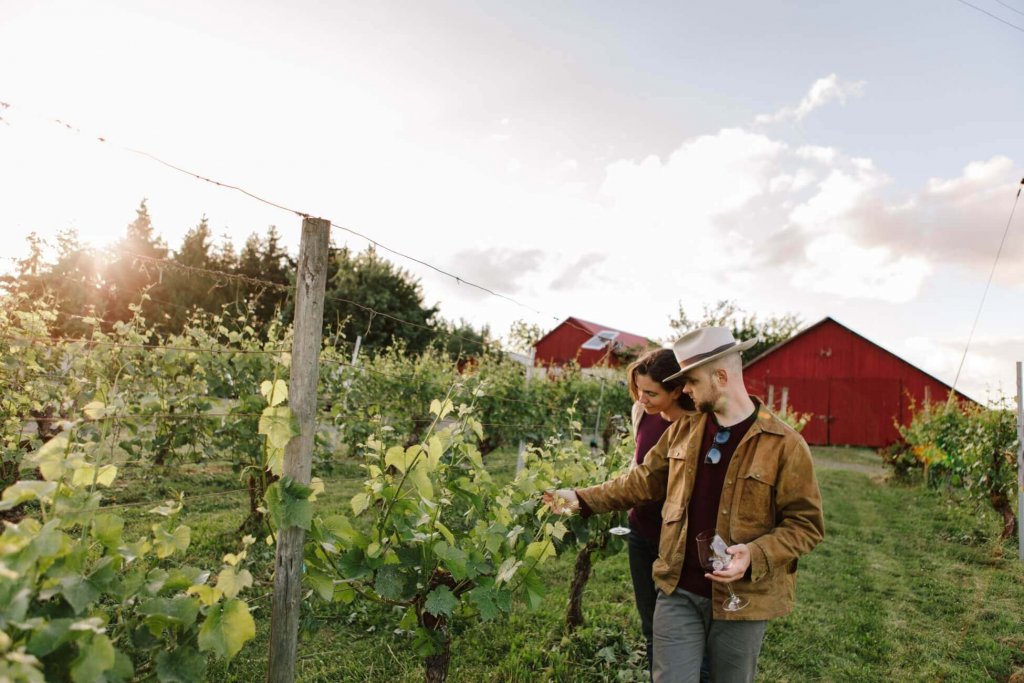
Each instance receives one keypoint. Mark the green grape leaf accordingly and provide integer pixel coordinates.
(176, 612)
(181, 665)
(79, 592)
(344, 593)
(208, 595)
(123, 669)
(103, 476)
(288, 504)
(421, 480)
(360, 502)
(483, 599)
(275, 392)
(278, 425)
(448, 536)
(107, 529)
(227, 627)
(167, 543)
(231, 582)
(95, 410)
(454, 559)
(435, 449)
(441, 602)
(24, 491)
(52, 457)
(93, 659)
(507, 570)
(389, 582)
(320, 582)
(540, 551)
(49, 637)
(441, 409)
(534, 589)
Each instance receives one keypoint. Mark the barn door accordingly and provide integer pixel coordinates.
(863, 411)
(806, 396)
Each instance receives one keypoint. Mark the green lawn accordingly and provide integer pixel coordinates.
(906, 587)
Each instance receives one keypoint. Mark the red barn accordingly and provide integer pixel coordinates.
(587, 343)
(854, 388)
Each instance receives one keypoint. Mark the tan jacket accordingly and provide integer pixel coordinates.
(770, 501)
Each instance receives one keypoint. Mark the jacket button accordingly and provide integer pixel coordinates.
(725, 512)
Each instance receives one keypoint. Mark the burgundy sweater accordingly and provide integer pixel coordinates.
(645, 519)
(702, 512)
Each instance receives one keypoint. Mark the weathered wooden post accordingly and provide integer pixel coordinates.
(310, 285)
(521, 458)
(1020, 464)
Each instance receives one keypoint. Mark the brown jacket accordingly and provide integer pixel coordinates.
(770, 501)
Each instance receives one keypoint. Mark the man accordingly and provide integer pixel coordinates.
(735, 468)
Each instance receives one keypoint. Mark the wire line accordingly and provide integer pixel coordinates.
(997, 18)
(988, 284)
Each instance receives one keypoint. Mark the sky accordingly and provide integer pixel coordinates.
(604, 160)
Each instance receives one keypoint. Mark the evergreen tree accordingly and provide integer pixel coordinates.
(265, 259)
(367, 280)
(132, 270)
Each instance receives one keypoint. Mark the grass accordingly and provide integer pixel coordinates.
(907, 586)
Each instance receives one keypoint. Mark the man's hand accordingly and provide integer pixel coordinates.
(562, 501)
(737, 567)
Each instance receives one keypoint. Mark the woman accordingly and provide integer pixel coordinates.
(657, 405)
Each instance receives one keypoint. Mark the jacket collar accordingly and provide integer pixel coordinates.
(766, 421)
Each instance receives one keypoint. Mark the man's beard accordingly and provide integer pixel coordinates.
(706, 407)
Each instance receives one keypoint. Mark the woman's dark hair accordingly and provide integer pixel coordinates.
(658, 365)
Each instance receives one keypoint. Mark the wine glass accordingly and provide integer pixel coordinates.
(712, 555)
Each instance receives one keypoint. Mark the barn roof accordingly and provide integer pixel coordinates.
(828, 319)
(625, 339)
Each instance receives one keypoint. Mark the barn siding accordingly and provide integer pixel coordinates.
(562, 344)
(855, 389)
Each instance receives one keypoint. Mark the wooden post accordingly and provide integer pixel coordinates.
(785, 400)
(521, 458)
(310, 285)
(355, 351)
(1020, 464)
(771, 397)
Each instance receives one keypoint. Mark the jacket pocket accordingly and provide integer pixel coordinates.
(671, 540)
(755, 511)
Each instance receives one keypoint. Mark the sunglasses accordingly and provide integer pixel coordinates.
(714, 455)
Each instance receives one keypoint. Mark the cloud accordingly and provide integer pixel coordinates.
(988, 357)
(958, 221)
(836, 264)
(497, 268)
(572, 276)
(823, 91)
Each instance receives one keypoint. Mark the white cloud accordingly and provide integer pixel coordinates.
(823, 91)
(988, 357)
(836, 264)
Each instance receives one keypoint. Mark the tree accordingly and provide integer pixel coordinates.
(74, 282)
(725, 313)
(133, 271)
(361, 287)
(521, 336)
(461, 341)
(265, 259)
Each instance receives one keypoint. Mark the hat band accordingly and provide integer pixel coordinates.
(708, 354)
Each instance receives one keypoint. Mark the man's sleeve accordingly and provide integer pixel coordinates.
(642, 484)
(798, 507)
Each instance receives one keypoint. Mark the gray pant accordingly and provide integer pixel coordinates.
(684, 631)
